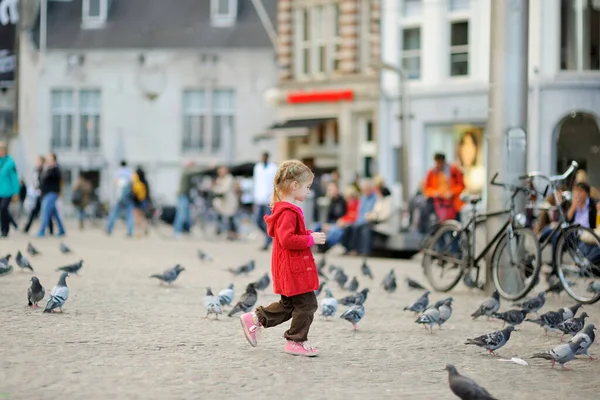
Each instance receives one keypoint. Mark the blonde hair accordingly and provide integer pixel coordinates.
(350, 191)
(289, 171)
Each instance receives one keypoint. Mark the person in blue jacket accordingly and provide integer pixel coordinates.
(9, 187)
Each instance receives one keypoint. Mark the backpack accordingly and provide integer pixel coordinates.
(77, 197)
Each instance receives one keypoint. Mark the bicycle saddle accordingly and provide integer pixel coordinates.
(470, 198)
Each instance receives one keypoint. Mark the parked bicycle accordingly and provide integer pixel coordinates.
(516, 256)
(576, 252)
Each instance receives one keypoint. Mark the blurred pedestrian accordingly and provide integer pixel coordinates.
(226, 201)
(124, 203)
(50, 187)
(81, 198)
(9, 187)
(183, 218)
(141, 200)
(264, 173)
(36, 186)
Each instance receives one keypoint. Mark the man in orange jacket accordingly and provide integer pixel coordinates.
(444, 184)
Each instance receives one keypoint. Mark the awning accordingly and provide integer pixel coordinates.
(291, 128)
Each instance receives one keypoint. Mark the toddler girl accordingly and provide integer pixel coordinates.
(293, 266)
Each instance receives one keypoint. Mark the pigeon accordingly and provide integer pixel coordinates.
(5, 260)
(512, 317)
(420, 304)
(445, 309)
(64, 249)
(72, 268)
(533, 305)
(561, 354)
(466, 388)
(35, 292)
(204, 256)
(549, 321)
(226, 295)
(555, 285)
(354, 314)
(329, 305)
(353, 285)
(412, 284)
(356, 298)
(430, 317)
(23, 262)
(570, 312)
(5, 269)
(32, 250)
(318, 291)
(365, 270)
(263, 282)
(243, 269)
(389, 282)
(60, 294)
(169, 275)
(593, 287)
(492, 341)
(573, 325)
(340, 277)
(488, 307)
(212, 304)
(320, 267)
(332, 268)
(246, 302)
(588, 336)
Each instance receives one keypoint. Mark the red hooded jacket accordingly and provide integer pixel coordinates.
(292, 263)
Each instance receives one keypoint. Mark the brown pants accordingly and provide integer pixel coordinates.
(301, 309)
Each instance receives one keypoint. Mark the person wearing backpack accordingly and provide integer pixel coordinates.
(81, 197)
(123, 183)
(141, 200)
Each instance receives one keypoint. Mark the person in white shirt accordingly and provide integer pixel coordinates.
(122, 180)
(264, 174)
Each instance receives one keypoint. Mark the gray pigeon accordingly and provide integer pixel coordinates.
(60, 294)
(420, 304)
(412, 284)
(212, 304)
(534, 304)
(340, 277)
(35, 292)
(72, 268)
(5, 269)
(6, 259)
(320, 267)
(64, 249)
(23, 262)
(263, 282)
(329, 305)
(430, 317)
(594, 287)
(32, 250)
(512, 317)
(445, 311)
(488, 307)
(466, 388)
(226, 295)
(353, 285)
(570, 312)
(318, 291)
(365, 270)
(243, 269)
(561, 354)
(356, 298)
(354, 314)
(246, 302)
(389, 282)
(169, 275)
(549, 321)
(204, 256)
(573, 325)
(588, 336)
(492, 341)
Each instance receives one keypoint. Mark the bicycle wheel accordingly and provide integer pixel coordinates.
(516, 263)
(577, 256)
(443, 258)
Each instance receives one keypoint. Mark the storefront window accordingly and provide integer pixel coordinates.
(463, 145)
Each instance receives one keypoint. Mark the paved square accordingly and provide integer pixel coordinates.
(122, 336)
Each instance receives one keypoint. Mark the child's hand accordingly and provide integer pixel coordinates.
(318, 237)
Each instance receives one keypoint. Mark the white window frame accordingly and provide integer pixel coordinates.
(459, 5)
(92, 111)
(405, 7)
(406, 54)
(225, 140)
(301, 45)
(460, 49)
(366, 36)
(319, 36)
(223, 20)
(581, 61)
(94, 22)
(335, 50)
(76, 112)
(63, 112)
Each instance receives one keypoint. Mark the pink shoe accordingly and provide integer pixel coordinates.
(251, 325)
(300, 349)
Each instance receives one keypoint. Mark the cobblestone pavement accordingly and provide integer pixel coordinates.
(122, 336)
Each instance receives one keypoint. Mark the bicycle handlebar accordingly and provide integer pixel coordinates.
(513, 188)
(554, 178)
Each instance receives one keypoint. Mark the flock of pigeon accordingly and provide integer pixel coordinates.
(563, 321)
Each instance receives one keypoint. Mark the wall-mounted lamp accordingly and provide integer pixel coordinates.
(75, 60)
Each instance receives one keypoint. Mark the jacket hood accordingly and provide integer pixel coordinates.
(278, 209)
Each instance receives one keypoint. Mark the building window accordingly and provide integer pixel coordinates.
(63, 110)
(320, 39)
(458, 5)
(369, 132)
(412, 8)
(459, 48)
(208, 120)
(580, 35)
(95, 12)
(89, 119)
(223, 12)
(365, 35)
(304, 24)
(337, 38)
(411, 52)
